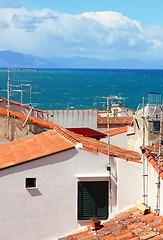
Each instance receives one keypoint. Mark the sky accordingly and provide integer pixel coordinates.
(104, 29)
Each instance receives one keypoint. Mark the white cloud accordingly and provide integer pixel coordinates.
(93, 34)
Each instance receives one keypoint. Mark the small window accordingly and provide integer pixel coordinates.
(30, 183)
(156, 126)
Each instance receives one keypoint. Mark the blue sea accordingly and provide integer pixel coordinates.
(81, 89)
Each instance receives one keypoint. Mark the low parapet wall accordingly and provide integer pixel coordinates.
(75, 118)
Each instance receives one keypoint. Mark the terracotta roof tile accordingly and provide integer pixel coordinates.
(120, 227)
(152, 154)
(115, 131)
(23, 117)
(101, 147)
(53, 141)
(33, 147)
(115, 120)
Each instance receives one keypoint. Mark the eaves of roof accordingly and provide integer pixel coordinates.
(130, 224)
(152, 154)
(33, 147)
(115, 131)
(102, 147)
(53, 141)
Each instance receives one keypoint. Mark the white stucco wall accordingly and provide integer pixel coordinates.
(152, 189)
(75, 118)
(129, 183)
(119, 140)
(50, 210)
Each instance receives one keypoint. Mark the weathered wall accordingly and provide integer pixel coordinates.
(152, 112)
(16, 130)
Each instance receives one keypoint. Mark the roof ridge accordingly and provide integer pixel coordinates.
(98, 146)
(66, 136)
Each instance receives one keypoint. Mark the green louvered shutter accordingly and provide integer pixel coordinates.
(102, 200)
(92, 200)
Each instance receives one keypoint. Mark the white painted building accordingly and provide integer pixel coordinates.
(117, 137)
(46, 180)
(76, 118)
(117, 111)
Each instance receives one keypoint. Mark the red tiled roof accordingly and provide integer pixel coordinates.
(130, 224)
(115, 131)
(152, 154)
(102, 147)
(115, 120)
(23, 117)
(30, 148)
(53, 141)
(88, 132)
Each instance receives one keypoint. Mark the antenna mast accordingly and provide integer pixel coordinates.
(9, 90)
(8, 102)
(145, 169)
(109, 159)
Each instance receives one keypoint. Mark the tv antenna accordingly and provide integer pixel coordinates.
(110, 98)
(10, 88)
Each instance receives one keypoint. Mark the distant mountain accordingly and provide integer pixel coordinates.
(9, 59)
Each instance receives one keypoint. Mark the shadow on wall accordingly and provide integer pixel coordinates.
(34, 192)
(39, 162)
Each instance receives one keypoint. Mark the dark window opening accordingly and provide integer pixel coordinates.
(156, 126)
(30, 183)
(92, 200)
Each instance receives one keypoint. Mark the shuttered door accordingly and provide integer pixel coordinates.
(92, 200)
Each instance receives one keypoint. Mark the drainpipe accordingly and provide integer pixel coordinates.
(143, 152)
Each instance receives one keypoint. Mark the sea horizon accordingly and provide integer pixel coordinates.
(78, 88)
